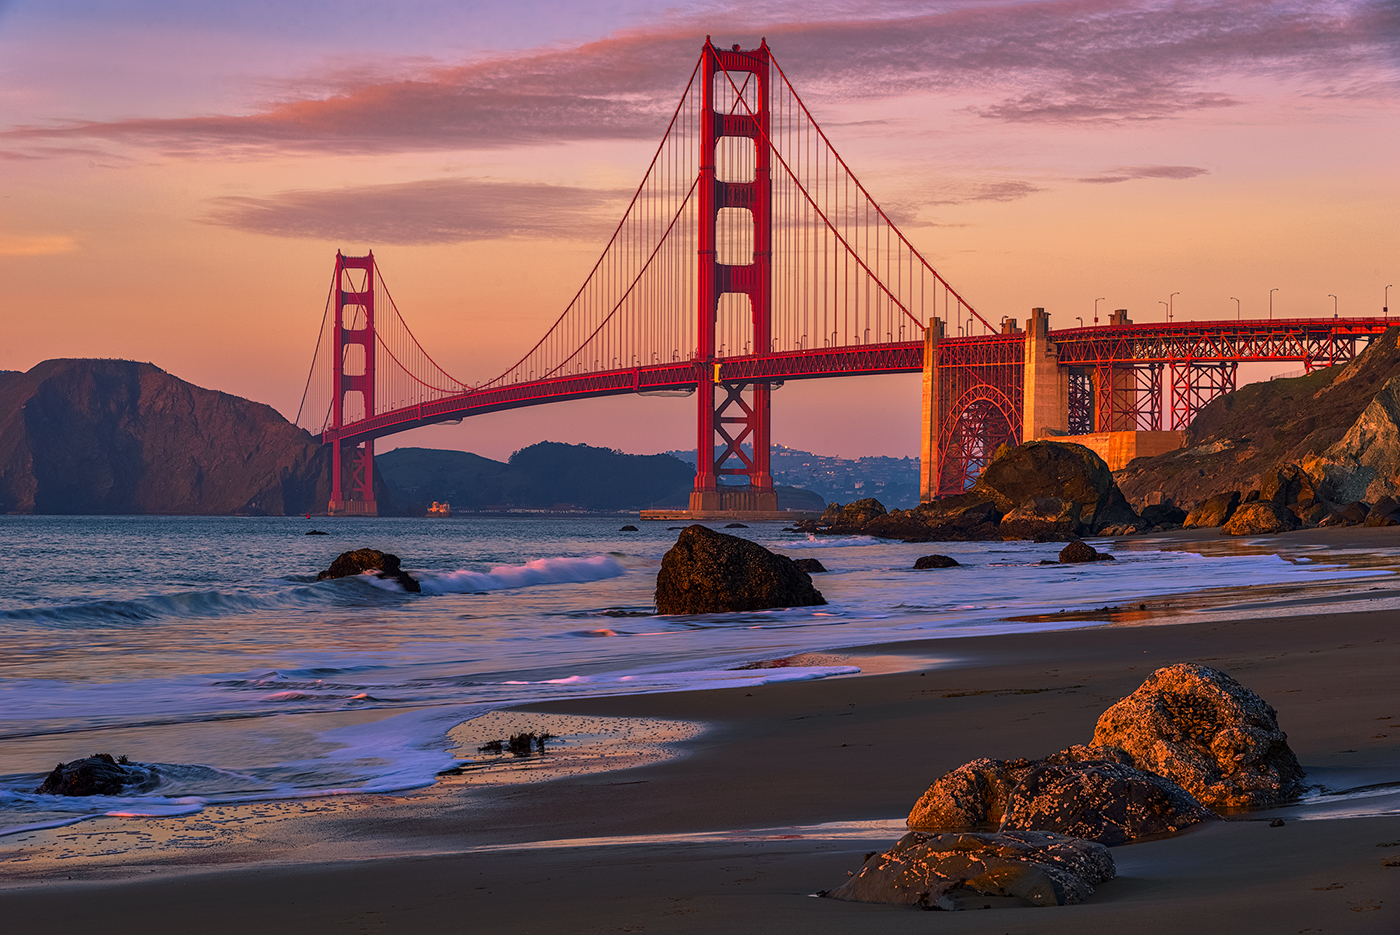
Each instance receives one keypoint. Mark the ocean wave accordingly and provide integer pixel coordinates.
(830, 542)
(506, 577)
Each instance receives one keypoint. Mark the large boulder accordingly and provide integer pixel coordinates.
(1213, 511)
(961, 871)
(381, 564)
(1383, 513)
(1042, 518)
(1080, 551)
(1353, 514)
(973, 796)
(1163, 514)
(1260, 517)
(1286, 485)
(935, 561)
(99, 774)
(1044, 469)
(1365, 463)
(1111, 803)
(708, 572)
(1207, 733)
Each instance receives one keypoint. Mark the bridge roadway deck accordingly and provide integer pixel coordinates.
(1317, 340)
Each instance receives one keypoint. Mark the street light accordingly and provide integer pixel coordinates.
(1168, 308)
(1385, 309)
(1171, 303)
(1237, 308)
(1101, 298)
(1271, 302)
(1080, 319)
(1334, 304)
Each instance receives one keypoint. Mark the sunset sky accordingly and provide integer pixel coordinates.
(176, 177)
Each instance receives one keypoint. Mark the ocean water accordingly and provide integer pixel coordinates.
(205, 646)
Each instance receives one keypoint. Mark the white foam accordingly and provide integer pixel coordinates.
(505, 577)
(830, 542)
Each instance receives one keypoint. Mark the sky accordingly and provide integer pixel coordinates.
(176, 177)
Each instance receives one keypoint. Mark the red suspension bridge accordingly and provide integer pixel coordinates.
(750, 255)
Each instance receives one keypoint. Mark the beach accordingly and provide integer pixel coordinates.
(722, 837)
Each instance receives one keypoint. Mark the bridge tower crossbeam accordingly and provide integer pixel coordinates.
(353, 382)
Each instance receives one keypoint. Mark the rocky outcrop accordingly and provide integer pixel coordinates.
(1108, 802)
(708, 572)
(1213, 511)
(1353, 514)
(99, 774)
(381, 564)
(1163, 515)
(811, 566)
(117, 436)
(1089, 792)
(961, 871)
(1078, 551)
(1207, 733)
(1383, 513)
(935, 561)
(1260, 517)
(1364, 464)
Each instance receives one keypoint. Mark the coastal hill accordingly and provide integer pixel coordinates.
(117, 436)
(550, 475)
(1328, 422)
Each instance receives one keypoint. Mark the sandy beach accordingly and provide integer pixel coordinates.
(722, 838)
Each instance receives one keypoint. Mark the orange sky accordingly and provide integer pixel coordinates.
(176, 178)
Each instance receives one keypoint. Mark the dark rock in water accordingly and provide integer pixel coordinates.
(810, 565)
(1046, 470)
(708, 572)
(962, 871)
(1078, 551)
(1111, 803)
(1207, 733)
(1214, 511)
(384, 564)
(935, 561)
(99, 774)
(628, 528)
(317, 532)
(673, 528)
(1383, 513)
(1260, 517)
(736, 526)
(973, 797)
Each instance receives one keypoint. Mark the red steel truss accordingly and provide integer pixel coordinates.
(980, 392)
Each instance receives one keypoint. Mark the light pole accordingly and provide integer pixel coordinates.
(1171, 304)
(1385, 309)
(1334, 304)
(1167, 307)
(1101, 298)
(1237, 308)
(1271, 302)
(1080, 319)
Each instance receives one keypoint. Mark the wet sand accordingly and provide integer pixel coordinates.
(517, 857)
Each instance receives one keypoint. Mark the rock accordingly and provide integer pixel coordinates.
(1207, 733)
(1286, 484)
(810, 565)
(383, 564)
(736, 526)
(99, 774)
(1042, 517)
(951, 871)
(1383, 513)
(317, 532)
(1078, 551)
(1353, 514)
(935, 561)
(628, 528)
(1215, 511)
(1111, 803)
(1364, 464)
(1047, 469)
(1163, 514)
(708, 572)
(1260, 517)
(973, 796)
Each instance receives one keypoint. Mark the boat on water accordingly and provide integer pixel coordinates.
(440, 509)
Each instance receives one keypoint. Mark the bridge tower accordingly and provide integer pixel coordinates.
(734, 414)
(353, 365)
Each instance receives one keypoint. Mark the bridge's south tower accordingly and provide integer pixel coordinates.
(735, 269)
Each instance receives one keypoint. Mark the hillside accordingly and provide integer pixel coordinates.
(117, 436)
(1243, 434)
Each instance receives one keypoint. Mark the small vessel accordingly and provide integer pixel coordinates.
(440, 509)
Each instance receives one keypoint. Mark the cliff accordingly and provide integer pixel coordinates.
(1336, 423)
(117, 436)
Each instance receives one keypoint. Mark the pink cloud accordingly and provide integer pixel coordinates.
(1128, 173)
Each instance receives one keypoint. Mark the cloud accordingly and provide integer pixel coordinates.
(961, 192)
(1128, 173)
(426, 212)
(1052, 61)
(19, 245)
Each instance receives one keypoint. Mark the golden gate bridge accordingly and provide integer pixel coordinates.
(750, 255)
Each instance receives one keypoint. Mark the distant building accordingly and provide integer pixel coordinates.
(892, 481)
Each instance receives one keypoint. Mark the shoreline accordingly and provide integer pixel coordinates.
(786, 757)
